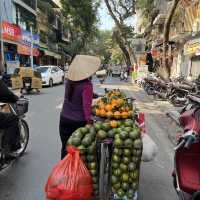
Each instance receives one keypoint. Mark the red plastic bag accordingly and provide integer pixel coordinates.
(70, 179)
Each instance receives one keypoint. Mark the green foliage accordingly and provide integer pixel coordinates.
(146, 6)
(81, 18)
(105, 46)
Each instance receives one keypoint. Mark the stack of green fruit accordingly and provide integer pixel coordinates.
(126, 157)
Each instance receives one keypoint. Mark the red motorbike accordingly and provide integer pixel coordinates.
(187, 153)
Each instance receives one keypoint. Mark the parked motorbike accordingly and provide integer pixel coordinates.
(187, 153)
(175, 91)
(101, 75)
(19, 109)
(150, 85)
(123, 76)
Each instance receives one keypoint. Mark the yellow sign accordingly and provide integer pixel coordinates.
(192, 47)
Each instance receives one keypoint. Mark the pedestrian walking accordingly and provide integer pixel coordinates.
(77, 106)
(150, 62)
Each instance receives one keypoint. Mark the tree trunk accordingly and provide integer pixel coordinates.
(123, 48)
(166, 34)
(122, 42)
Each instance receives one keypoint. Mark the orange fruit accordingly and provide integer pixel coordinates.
(125, 115)
(101, 105)
(117, 115)
(109, 114)
(102, 113)
(114, 124)
(108, 107)
(98, 112)
(120, 101)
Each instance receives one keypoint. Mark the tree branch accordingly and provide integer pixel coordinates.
(112, 14)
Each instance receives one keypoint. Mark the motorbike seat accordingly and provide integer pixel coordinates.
(182, 86)
(188, 165)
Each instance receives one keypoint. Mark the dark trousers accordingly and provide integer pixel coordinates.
(67, 127)
(11, 138)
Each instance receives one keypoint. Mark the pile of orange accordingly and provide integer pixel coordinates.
(113, 106)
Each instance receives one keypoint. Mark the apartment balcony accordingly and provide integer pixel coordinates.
(29, 5)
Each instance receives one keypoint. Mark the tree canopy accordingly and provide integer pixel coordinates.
(122, 12)
(106, 47)
(81, 19)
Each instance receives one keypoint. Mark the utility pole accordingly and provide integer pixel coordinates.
(31, 28)
(1, 33)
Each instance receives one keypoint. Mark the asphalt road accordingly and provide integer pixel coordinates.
(26, 178)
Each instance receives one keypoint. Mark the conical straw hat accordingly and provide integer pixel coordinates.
(83, 67)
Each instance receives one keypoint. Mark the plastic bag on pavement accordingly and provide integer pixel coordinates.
(150, 149)
(70, 179)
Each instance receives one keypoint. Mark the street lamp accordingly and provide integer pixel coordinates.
(31, 54)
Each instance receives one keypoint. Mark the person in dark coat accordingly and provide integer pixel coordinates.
(149, 62)
(8, 121)
(77, 106)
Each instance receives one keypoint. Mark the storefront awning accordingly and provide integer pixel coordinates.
(52, 54)
(192, 47)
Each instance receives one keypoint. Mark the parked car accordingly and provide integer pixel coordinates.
(51, 75)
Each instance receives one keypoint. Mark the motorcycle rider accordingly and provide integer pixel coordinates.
(9, 122)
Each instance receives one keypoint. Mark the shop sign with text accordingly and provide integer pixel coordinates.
(26, 50)
(26, 39)
(192, 47)
(11, 32)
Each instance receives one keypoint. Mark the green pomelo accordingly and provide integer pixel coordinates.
(75, 141)
(116, 158)
(127, 152)
(101, 135)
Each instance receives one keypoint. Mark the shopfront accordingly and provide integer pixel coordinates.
(192, 50)
(49, 57)
(11, 38)
(17, 46)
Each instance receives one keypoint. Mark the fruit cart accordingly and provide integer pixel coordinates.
(112, 148)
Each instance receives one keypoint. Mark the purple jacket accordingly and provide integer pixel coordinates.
(79, 108)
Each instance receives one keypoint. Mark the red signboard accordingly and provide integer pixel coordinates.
(26, 50)
(11, 32)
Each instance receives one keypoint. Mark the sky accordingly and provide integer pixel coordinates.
(106, 22)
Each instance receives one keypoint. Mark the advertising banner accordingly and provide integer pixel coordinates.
(26, 50)
(26, 39)
(11, 32)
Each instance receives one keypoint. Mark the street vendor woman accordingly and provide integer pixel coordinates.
(77, 106)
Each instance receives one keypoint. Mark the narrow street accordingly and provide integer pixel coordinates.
(26, 178)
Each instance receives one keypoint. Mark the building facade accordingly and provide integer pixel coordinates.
(33, 21)
(52, 37)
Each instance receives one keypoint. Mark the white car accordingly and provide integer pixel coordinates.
(51, 75)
